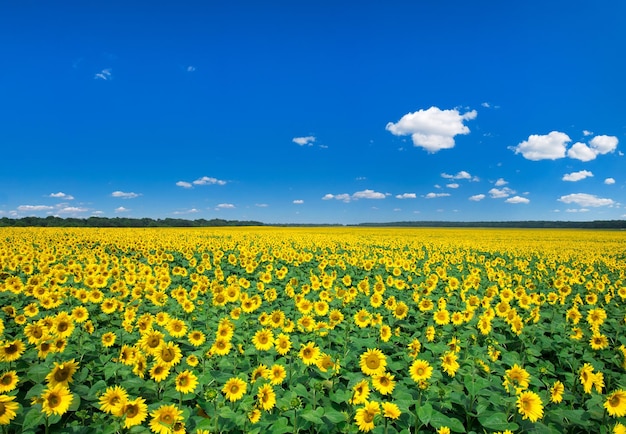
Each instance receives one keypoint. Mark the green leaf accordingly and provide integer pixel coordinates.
(313, 416)
(496, 422)
(37, 373)
(33, 418)
(36, 390)
(475, 384)
(425, 413)
(438, 420)
(334, 416)
(281, 426)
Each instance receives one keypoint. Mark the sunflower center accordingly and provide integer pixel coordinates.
(167, 419)
(373, 362)
(62, 326)
(132, 411)
(10, 349)
(61, 375)
(37, 333)
(183, 381)
(420, 371)
(614, 401)
(2, 409)
(154, 342)
(54, 400)
(234, 389)
(6, 380)
(168, 355)
(368, 417)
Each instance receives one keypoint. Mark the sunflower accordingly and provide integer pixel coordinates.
(192, 360)
(164, 418)
(516, 377)
(364, 416)
(234, 389)
(134, 412)
(7, 409)
(112, 400)
(11, 351)
(8, 381)
(373, 362)
(615, 403)
(176, 328)
(442, 317)
(108, 339)
(186, 382)
(443, 430)
(384, 383)
(196, 338)
(385, 333)
(598, 341)
(587, 377)
(266, 397)
(56, 400)
(391, 410)
(151, 341)
(80, 314)
(62, 373)
(278, 373)
(530, 406)
(420, 370)
(449, 363)
(309, 353)
(63, 325)
(556, 392)
(260, 371)
(254, 415)
(159, 371)
(362, 318)
(263, 339)
(360, 392)
(401, 310)
(221, 347)
(169, 353)
(36, 332)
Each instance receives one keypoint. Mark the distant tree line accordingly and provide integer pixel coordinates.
(125, 222)
(119, 222)
(531, 224)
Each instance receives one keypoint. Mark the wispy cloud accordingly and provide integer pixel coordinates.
(124, 195)
(364, 194)
(436, 195)
(432, 129)
(190, 68)
(61, 195)
(500, 182)
(298, 201)
(460, 175)
(304, 141)
(184, 184)
(477, 197)
(225, 206)
(105, 74)
(207, 180)
(406, 196)
(189, 211)
(453, 185)
(27, 208)
(72, 210)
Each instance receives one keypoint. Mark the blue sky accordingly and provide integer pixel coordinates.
(314, 111)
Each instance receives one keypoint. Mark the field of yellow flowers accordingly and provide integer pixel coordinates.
(330, 330)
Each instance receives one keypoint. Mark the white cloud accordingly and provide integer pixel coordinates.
(406, 196)
(298, 201)
(191, 68)
(543, 147)
(517, 199)
(477, 197)
(603, 144)
(486, 105)
(368, 194)
(586, 200)
(433, 129)
(121, 209)
(460, 175)
(609, 181)
(261, 205)
(61, 195)
(582, 152)
(500, 182)
(587, 133)
(184, 184)
(499, 193)
(434, 195)
(577, 210)
(105, 75)
(453, 185)
(72, 209)
(225, 206)
(189, 211)
(123, 195)
(345, 197)
(206, 180)
(303, 141)
(34, 208)
(577, 176)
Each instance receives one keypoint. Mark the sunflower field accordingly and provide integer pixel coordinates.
(329, 330)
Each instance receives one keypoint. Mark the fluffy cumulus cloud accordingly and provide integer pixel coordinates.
(460, 175)
(500, 182)
(586, 200)
(61, 195)
(517, 199)
(406, 196)
(124, 195)
(577, 176)
(609, 181)
(345, 197)
(207, 180)
(432, 129)
(121, 209)
(477, 197)
(453, 185)
(499, 193)
(184, 184)
(304, 141)
(551, 146)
